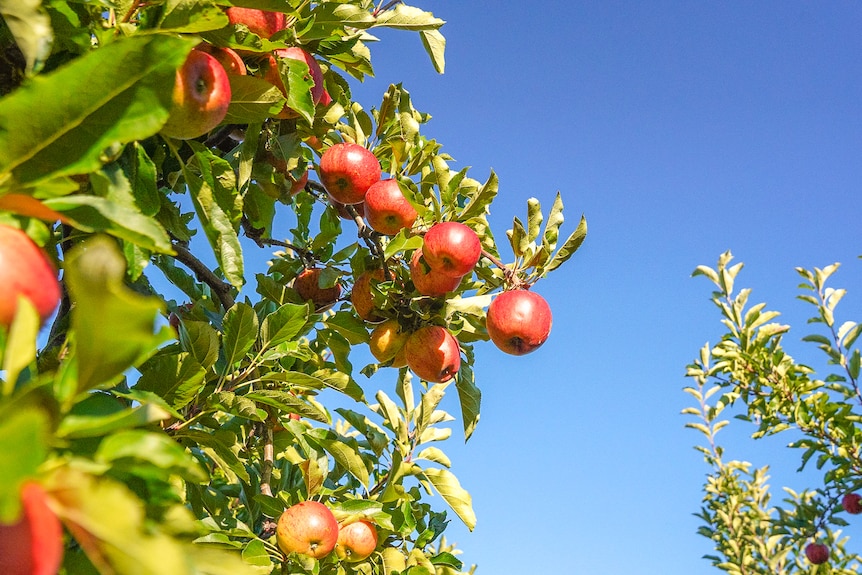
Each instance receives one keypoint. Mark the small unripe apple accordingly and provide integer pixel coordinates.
(518, 321)
(25, 272)
(261, 22)
(817, 553)
(308, 528)
(347, 171)
(387, 340)
(33, 545)
(433, 354)
(307, 284)
(452, 248)
(386, 208)
(428, 281)
(273, 77)
(852, 503)
(228, 58)
(361, 296)
(201, 97)
(356, 541)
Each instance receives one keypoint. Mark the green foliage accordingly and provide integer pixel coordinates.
(174, 448)
(750, 374)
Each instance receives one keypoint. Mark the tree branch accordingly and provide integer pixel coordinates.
(221, 288)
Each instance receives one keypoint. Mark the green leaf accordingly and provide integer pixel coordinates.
(122, 93)
(20, 348)
(30, 27)
(240, 329)
(219, 207)
(78, 426)
(298, 81)
(215, 447)
(288, 402)
(470, 398)
(450, 490)
(103, 308)
(351, 327)
(435, 46)
(552, 226)
(201, 341)
(334, 15)
(283, 325)
(23, 447)
(345, 453)
(96, 214)
(239, 405)
(405, 17)
(534, 219)
(157, 449)
(191, 16)
(479, 203)
(252, 100)
(569, 247)
(176, 378)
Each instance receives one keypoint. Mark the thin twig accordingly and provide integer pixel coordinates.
(221, 288)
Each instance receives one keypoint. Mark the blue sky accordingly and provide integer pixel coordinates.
(681, 130)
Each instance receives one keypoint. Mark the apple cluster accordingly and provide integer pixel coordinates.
(818, 553)
(310, 528)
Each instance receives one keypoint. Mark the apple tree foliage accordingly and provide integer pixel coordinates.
(174, 450)
(751, 376)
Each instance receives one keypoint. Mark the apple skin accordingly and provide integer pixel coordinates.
(261, 22)
(25, 271)
(201, 97)
(356, 541)
(817, 553)
(428, 281)
(347, 171)
(34, 544)
(308, 528)
(852, 503)
(229, 59)
(386, 208)
(273, 77)
(518, 321)
(361, 297)
(433, 354)
(452, 248)
(307, 284)
(387, 341)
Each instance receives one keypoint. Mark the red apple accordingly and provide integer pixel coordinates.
(273, 77)
(433, 354)
(26, 272)
(307, 283)
(852, 503)
(200, 98)
(428, 281)
(308, 528)
(298, 185)
(347, 171)
(356, 541)
(387, 341)
(518, 321)
(361, 296)
(260, 22)
(229, 59)
(386, 208)
(33, 545)
(452, 248)
(325, 98)
(817, 553)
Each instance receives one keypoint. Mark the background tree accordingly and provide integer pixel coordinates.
(170, 436)
(751, 375)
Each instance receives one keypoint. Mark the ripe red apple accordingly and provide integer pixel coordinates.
(386, 208)
(387, 341)
(229, 59)
(298, 185)
(25, 271)
(356, 541)
(428, 281)
(852, 503)
(361, 296)
(200, 98)
(518, 321)
(260, 22)
(452, 248)
(347, 171)
(273, 77)
(33, 545)
(308, 528)
(433, 354)
(817, 553)
(307, 283)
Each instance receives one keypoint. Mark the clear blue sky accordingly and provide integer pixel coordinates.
(681, 129)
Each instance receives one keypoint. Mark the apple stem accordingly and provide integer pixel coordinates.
(221, 288)
(381, 8)
(509, 273)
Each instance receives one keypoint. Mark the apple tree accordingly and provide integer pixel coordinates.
(167, 404)
(750, 375)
